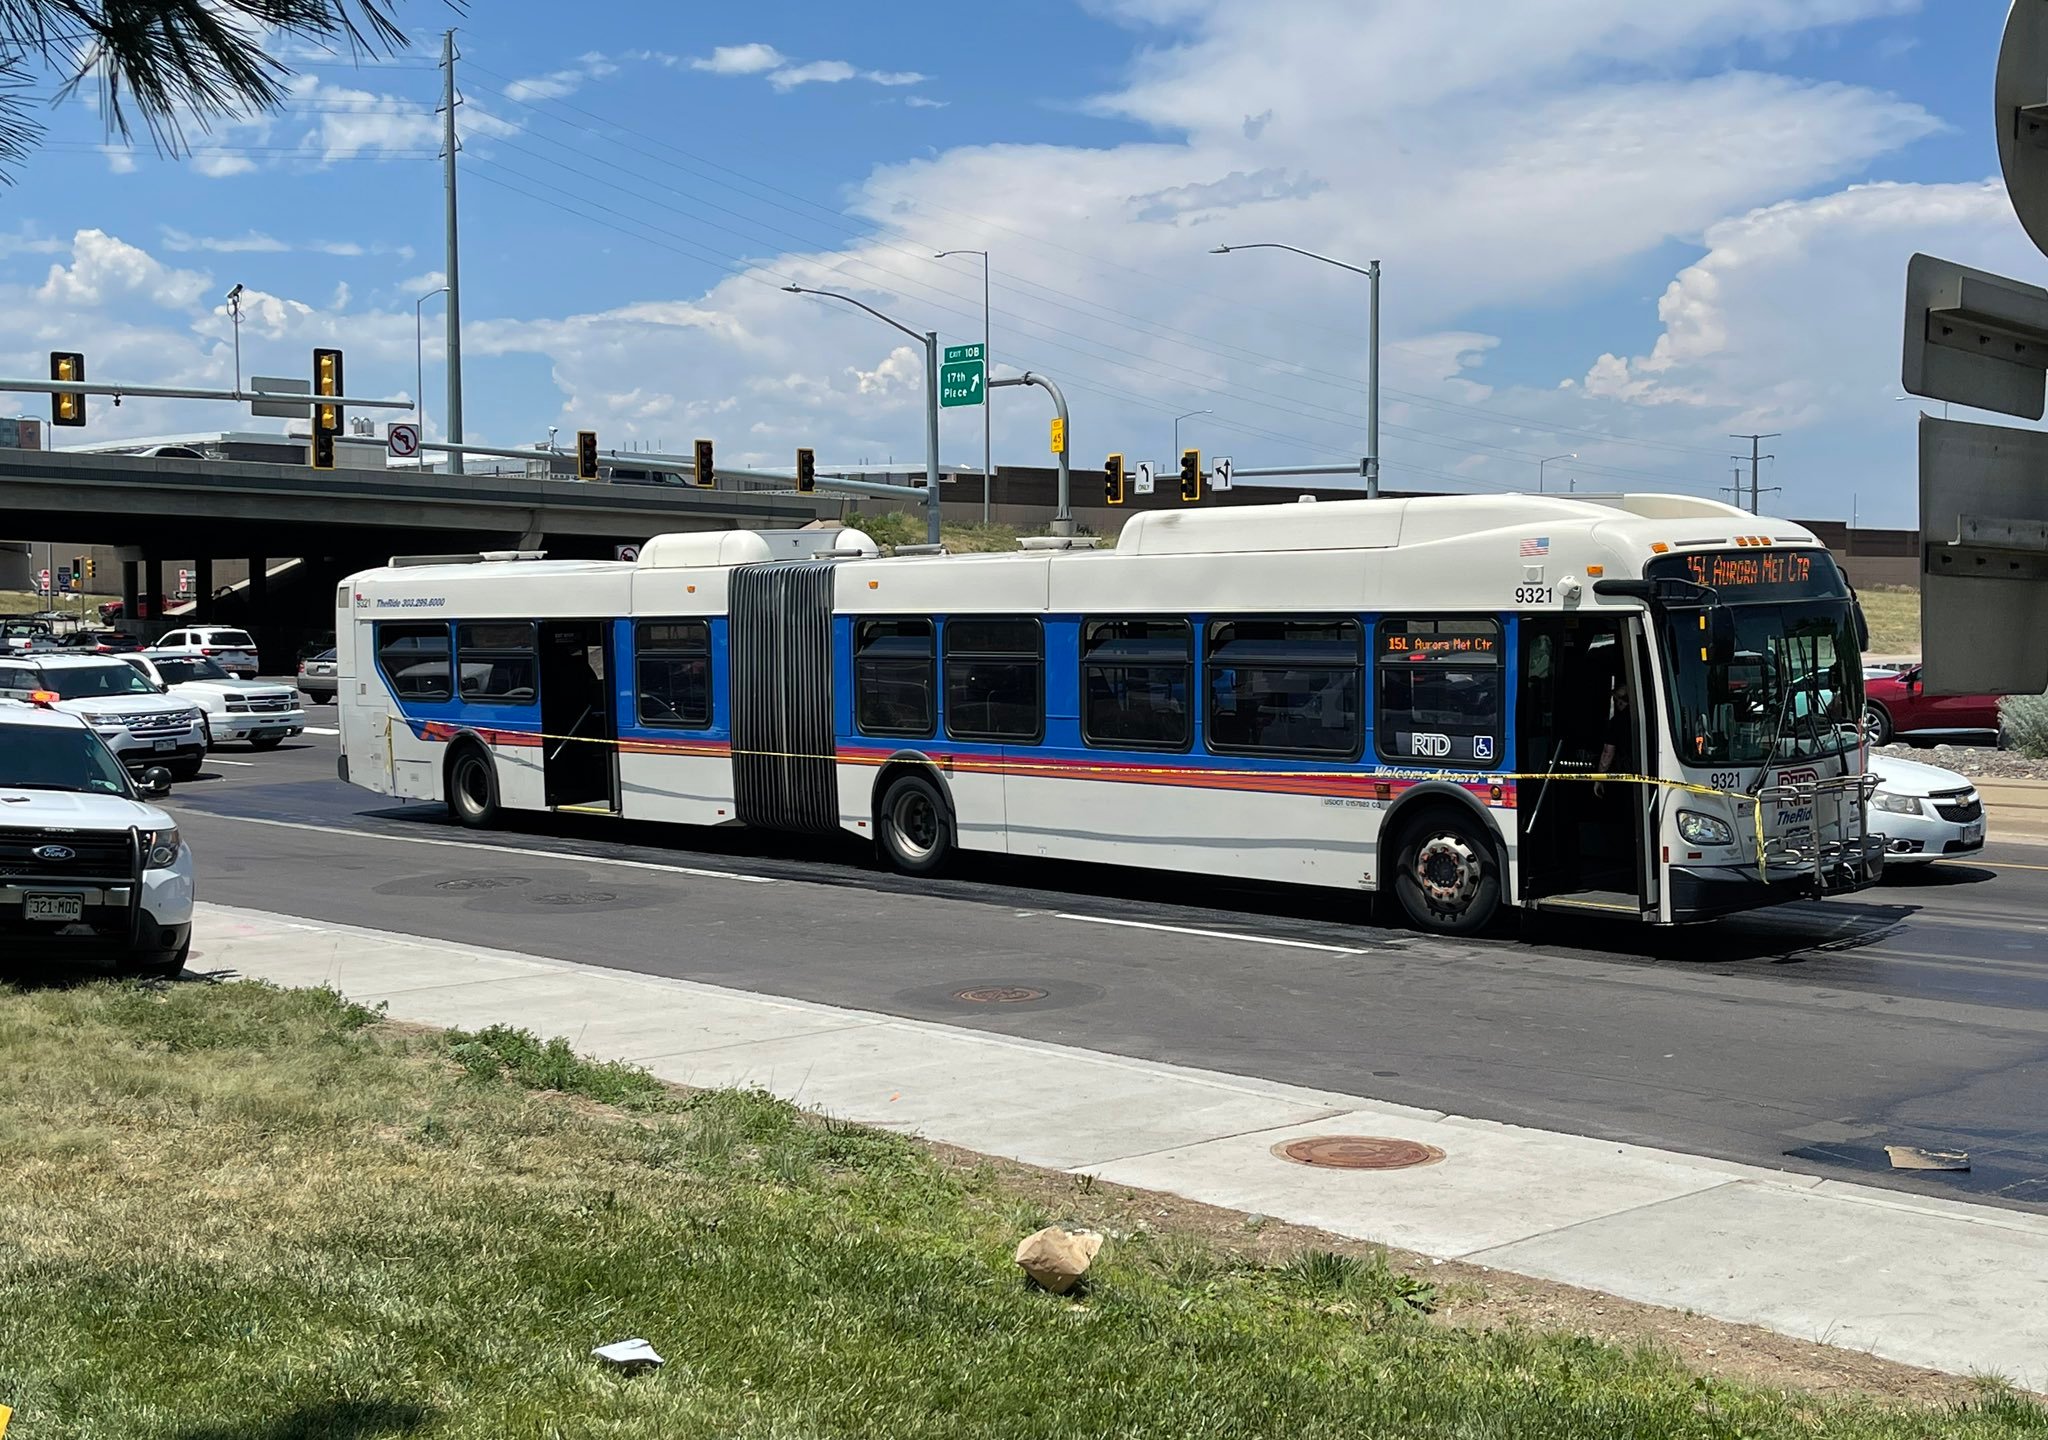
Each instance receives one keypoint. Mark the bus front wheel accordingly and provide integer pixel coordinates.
(1447, 876)
(915, 828)
(472, 788)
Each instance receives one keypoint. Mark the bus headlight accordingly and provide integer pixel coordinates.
(1701, 829)
(160, 848)
(1895, 804)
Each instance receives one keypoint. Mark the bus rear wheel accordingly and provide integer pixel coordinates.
(914, 827)
(472, 788)
(1447, 876)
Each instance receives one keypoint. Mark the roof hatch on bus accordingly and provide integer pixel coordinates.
(713, 549)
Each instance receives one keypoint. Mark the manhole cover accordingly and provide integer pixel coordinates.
(1358, 1152)
(577, 897)
(999, 995)
(481, 882)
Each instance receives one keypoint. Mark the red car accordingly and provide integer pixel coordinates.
(1895, 706)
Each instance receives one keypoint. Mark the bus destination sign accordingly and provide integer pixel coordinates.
(1739, 575)
(1398, 645)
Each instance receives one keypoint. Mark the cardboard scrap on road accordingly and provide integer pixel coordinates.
(1912, 1157)
(629, 1354)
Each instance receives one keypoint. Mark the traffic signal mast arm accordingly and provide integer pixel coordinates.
(186, 392)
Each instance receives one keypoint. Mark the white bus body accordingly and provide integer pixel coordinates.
(1404, 694)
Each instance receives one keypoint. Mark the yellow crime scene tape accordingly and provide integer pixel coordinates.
(1085, 769)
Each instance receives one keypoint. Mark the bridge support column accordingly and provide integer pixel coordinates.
(131, 592)
(153, 584)
(202, 586)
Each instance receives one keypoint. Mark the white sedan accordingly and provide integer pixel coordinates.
(1924, 812)
(262, 713)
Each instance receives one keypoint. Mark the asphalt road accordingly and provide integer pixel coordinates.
(1808, 1038)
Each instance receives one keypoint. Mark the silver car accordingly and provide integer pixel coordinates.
(1924, 812)
(317, 677)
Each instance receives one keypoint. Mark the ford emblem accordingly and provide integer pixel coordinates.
(55, 852)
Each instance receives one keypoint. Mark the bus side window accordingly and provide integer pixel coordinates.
(1285, 687)
(1136, 683)
(894, 684)
(674, 672)
(1439, 689)
(498, 662)
(995, 671)
(414, 659)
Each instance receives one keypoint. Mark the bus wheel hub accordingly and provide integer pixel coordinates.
(1448, 871)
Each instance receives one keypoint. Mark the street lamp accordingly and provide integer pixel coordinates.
(988, 403)
(419, 360)
(930, 340)
(235, 314)
(1371, 270)
(1175, 457)
(1545, 461)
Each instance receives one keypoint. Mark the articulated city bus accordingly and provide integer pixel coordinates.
(1640, 705)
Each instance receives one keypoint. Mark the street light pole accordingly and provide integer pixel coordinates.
(930, 340)
(988, 404)
(1371, 270)
(1545, 461)
(419, 360)
(1175, 457)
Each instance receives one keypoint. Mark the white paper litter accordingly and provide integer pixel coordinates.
(628, 1352)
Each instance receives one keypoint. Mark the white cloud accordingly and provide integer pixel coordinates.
(894, 77)
(925, 102)
(419, 285)
(900, 372)
(219, 164)
(559, 83)
(257, 242)
(104, 270)
(828, 72)
(740, 60)
(120, 159)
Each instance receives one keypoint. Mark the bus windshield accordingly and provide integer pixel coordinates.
(1784, 680)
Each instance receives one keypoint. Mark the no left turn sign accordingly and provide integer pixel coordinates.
(626, 552)
(403, 440)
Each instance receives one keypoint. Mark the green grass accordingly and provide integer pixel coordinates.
(238, 1212)
(28, 602)
(1894, 616)
(897, 527)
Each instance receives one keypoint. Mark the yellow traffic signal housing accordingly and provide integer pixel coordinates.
(66, 408)
(323, 448)
(1113, 480)
(586, 454)
(327, 380)
(1190, 477)
(806, 470)
(706, 475)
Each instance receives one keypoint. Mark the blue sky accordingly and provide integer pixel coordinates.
(1620, 230)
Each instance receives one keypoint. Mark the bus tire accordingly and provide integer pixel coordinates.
(1447, 874)
(914, 827)
(472, 787)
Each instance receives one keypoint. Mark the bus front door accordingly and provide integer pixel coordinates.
(579, 755)
(1582, 838)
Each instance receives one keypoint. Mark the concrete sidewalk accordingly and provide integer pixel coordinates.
(2015, 809)
(1952, 1286)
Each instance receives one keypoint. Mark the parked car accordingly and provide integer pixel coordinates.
(231, 649)
(99, 642)
(88, 867)
(1923, 811)
(318, 680)
(139, 723)
(1897, 707)
(258, 711)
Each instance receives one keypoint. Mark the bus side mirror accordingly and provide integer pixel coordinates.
(1862, 623)
(1720, 636)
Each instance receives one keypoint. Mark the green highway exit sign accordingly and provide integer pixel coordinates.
(963, 378)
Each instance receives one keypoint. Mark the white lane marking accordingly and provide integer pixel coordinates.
(493, 849)
(1215, 934)
(244, 764)
(320, 730)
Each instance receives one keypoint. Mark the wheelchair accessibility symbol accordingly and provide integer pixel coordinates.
(1482, 747)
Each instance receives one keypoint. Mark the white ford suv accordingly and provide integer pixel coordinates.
(141, 725)
(264, 714)
(232, 649)
(88, 868)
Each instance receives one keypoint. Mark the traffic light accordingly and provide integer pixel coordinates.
(66, 408)
(78, 571)
(706, 476)
(1190, 477)
(1113, 480)
(91, 568)
(806, 470)
(586, 454)
(327, 381)
(323, 446)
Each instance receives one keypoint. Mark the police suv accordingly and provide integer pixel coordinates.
(141, 725)
(89, 869)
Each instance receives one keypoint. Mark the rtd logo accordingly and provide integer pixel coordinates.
(1433, 745)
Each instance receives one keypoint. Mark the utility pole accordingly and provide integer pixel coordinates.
(1755, 462)
(454, 264)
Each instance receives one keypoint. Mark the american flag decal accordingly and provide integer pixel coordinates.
(1538, 546)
